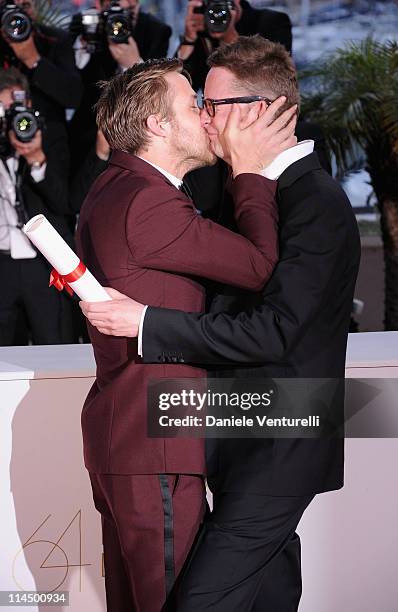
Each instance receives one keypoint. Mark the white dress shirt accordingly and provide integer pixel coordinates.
(287, 158)
(271, 172)
(12, 239)
(82, 56)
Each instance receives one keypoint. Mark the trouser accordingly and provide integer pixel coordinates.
(24, 283)
(149, 523)
(247, 557)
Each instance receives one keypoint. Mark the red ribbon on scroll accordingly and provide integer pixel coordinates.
(62, 282)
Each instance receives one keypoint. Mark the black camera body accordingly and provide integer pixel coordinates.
(217, 14)
(23, 121)
(95, 27)
(15, 23)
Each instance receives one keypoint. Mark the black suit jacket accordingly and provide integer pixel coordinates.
(152, 38)
(55, 84)
(50, 197)
(273, 25)
(298, 328)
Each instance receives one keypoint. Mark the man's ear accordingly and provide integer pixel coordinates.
(156, 125)
(251, 112)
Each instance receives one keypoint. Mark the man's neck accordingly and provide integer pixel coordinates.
(174, 167)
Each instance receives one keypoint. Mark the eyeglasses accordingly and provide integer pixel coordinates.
(210, 105)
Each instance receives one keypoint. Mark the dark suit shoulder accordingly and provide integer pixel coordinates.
(317, 208)
(261, 20)
(275, 18)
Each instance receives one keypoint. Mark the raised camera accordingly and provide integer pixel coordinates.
(95, 27)
(118, 23)
(217, 14)
(23, 121)
(15, 24)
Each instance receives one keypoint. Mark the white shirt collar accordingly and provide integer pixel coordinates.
(173, 179)
(287, 158)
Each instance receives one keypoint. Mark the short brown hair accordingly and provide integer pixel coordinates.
(128, 99)
(12, 78)
(261, 67)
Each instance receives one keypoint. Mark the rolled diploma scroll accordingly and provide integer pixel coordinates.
(54, 248)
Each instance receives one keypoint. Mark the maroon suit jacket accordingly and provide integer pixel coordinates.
(140, 235)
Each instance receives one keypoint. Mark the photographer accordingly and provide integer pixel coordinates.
(33, 180)
(199, 39)
(148, 39)
(45, 57)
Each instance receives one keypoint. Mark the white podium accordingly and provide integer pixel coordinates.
(50, 531)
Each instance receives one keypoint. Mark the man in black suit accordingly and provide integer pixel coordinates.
(46, 59)
(248, 554)
(197, 44)
(33, 180)
(150, 40)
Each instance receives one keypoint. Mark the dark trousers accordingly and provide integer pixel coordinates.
(24, 285)
(149, 523)
(247, 557)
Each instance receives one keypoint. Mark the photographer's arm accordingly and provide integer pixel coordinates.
(48, 159)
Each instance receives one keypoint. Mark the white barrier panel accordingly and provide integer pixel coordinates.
(50, 531)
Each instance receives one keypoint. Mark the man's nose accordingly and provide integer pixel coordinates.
(205, 119)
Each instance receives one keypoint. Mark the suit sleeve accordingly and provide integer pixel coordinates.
(53, 189)
(190, 244)
(319, 247)
(57, 75)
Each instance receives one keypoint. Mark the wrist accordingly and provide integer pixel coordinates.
(246, 169)
(240, 166)
(230, 37)
(130, 62)
(33, 61)
(188, 38)
(36, 161)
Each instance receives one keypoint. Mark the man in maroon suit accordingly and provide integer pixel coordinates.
(141, 235)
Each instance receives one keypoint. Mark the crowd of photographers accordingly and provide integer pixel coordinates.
(50, 150)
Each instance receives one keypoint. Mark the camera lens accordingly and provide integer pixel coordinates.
(118, 28)
(218, 16)
(25, 126)
(16, 25)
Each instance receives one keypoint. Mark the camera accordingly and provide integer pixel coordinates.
(114, 23)
(20, 119)
(217, 14)
(14, 22)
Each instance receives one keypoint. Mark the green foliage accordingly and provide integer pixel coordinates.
(354, 98)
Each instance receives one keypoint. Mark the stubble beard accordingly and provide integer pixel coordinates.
(193, 154)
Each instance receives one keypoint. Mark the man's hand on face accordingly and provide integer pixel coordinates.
(125, 54)
(119, 317)
(252, 142)
(26, 51)
(32, 151)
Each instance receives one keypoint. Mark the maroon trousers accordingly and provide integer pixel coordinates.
(149, 523)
